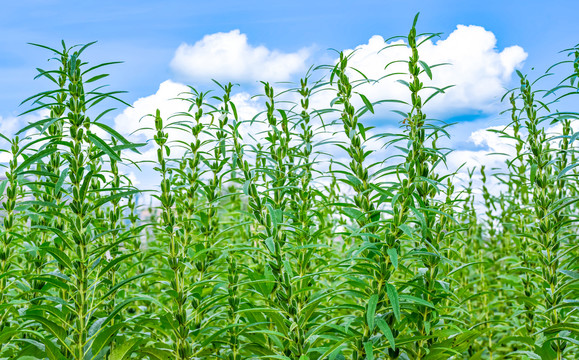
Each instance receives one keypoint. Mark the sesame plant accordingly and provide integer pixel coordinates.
(304, 231)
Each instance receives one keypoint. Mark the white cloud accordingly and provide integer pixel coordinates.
(9, 125)
(492, 151)
(479, 71)
(490, 143)
(132, 118)
(136, 126)
(229, 57)
(5, 157)
(494, 148)
(135, 123)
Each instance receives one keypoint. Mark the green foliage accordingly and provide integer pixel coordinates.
(270, 249)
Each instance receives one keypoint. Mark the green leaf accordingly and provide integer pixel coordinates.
(269, 243)
(362, 130)
(530, 354)
(571, 274)
(426, 68)
(34, 158)
(3, 185)
(416, 300)
(393, 297)
(60, 181)
(415, 20)
(95, 78)
(354, 180)
(96, 326)
(125, 303)
(334, 348)
(288, 268)
(533, 173)
(35, 343)
(124, 350)
(123, 283)
(368, 346)
(371, 311)
(98, 66)
(52, 350)
(572, 327)
(353, 213)
(118, 136)
(566, 169)
(105, 336)
(403, 82)
(58, 331)
(7, 334)
(101, 144)
(123, 194)
(393, 257)
(383, 326)
(367, 103)
(59, 255)
(115, 262)
(156, 353)
(464, 266)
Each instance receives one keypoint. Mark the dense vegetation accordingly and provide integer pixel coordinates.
(264, 248)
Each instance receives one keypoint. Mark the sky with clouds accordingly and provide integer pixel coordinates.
(166, 45)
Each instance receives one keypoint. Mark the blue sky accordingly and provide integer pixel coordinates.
(145, 34)
(167, 40)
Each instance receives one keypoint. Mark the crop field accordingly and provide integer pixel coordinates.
(299, 233)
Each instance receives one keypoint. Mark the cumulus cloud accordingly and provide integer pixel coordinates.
(134, 122)
(229, 57)
(492, 149)
(9, 125)
(489, 142)
(165, 99)
(139, 128)
(477, 69)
